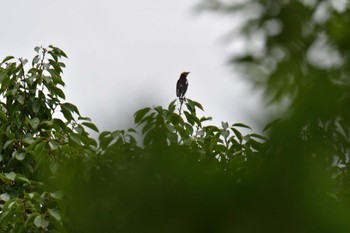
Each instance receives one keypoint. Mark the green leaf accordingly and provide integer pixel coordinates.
(171, 107)
(271, 124)
(76, 138)
(57, 51)
(20, 99)
(159, 109)
(10, 176)
(191, 106)
(36, 60)
(8, 142)
(28, 139)
(189, 117)
(84, 118)
(54, 167)
(104, 134)
(132, 130)
(241, 125)
(140, 114)
(70, 107)
(238, 134)
(55, 213)
(91, 126)
(22, 179)
(206, 119)
(59, 123)
(40, 222)
(47, 79)
(254, 135)
(147, 127)
(198, 105)
(7, 59)
(5, 197)
(57, 91)
(150, 119)
(105, 139)
(37, 49)
(36, 106)
(18, 155)
(58, 80)
(67, 114)
(34, 122)
(57, 195)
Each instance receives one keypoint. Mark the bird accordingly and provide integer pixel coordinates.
(182, 85)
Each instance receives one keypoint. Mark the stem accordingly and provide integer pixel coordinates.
(181, 102)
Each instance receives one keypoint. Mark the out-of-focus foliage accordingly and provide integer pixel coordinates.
(298, 53)
(292, 45)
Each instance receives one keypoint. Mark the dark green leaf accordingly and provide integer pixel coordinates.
(258, 136)
(22, 179)
(132, 130)
(241, 125)
(84, 118)
(198, 105)
(171, 107)
(34, 122)
(271, 124)
(206, 119)
(70, 107)
(91, 126)
(76, 138)
(20, 99)
(238, 134)
(7, 59)
(67, 114)
(140, 114)
(189, 117)
(190, 106)
(58, 92)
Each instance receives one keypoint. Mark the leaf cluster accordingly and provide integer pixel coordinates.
(38, 130)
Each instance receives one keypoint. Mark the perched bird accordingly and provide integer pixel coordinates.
(181, 85)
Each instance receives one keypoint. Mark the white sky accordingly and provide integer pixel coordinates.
(126, 55)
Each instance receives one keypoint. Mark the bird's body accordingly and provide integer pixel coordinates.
(182, 85)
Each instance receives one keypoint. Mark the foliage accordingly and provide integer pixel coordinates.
(297, 52)
(38, 131)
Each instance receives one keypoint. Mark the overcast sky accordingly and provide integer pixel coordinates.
(125, 55)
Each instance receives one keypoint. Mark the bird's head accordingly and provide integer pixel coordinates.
(184, 74)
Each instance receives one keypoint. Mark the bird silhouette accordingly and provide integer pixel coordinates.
(182, 85)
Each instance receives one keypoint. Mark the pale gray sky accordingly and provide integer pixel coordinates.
(125, 55)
